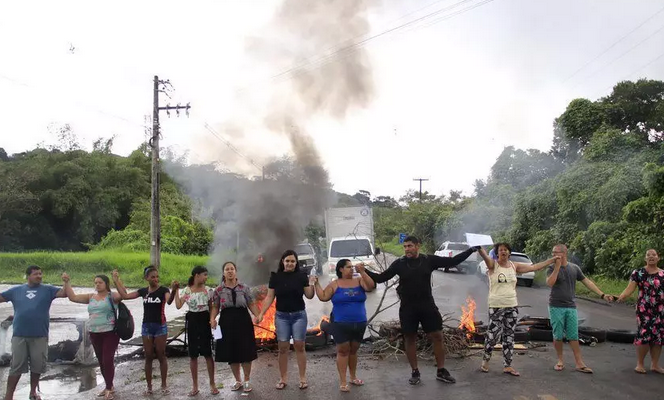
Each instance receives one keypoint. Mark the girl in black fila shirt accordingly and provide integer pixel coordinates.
(154, 330)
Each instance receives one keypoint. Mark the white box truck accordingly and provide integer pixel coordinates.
(350, 234)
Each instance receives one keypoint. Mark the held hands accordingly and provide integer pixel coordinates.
(258, 319)
(609, 298)
(313, 279)
(65, 277)
(360, 268)
(116, 275)
(175, 285)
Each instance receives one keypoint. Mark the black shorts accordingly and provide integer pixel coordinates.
(344, 332)
(427, 314)
(199, 334)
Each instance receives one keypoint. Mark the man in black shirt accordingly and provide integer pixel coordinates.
(417, 303)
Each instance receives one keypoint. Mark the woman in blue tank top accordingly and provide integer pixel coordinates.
(348, 295)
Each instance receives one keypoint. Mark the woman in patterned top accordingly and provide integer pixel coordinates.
(237, 345)
(649, 312)
(199, 334)
(101, 325)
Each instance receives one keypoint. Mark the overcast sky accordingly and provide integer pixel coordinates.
(450, 93)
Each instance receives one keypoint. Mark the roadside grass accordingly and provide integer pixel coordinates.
(83, 266)
(392, 247)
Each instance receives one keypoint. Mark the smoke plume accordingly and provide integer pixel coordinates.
(268, 215)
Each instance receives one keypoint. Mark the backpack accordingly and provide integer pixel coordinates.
(124, 321)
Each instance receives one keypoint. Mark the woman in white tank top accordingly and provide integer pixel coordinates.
(503, 313)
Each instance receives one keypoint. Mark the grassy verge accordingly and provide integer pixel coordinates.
(392, 247)
(608, 286)
(82, 267)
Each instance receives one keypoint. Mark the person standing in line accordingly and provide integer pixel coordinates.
(649, 312)
(562, 278)
(32, 305)
(101, 325)
(154, 329)
(417, 303)
(348, 295)
(503, 311)
(288, 285)
(237, 346)
(199, 332)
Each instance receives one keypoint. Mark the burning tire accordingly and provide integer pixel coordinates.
(620, 335)
(599, 334)
(540, 334)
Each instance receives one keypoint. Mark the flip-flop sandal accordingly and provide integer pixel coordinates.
(247, 387)
(484, 368)
(357, 382)
(236, 386)
(214, 391)
(165, 391)
(303, 385)
(109, 396)
(344, 388)
(512, 372)
(281, 385)
(102, 393)
(640, 371)
(559, 367)
(35, 397)
(584, 370)
(657, 371)
(148, 392)
(193, 393)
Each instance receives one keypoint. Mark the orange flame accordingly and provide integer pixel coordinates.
(266, 330)
(317, 327)
(468, 317)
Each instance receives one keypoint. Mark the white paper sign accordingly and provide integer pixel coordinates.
(216, 333)
(475, 239)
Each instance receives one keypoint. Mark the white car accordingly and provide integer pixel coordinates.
(527, 278)
(451, 249)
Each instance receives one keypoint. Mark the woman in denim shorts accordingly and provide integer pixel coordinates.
(288, 285)
(154, 330)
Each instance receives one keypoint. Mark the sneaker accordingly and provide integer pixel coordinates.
(415, 377)
(444, 375)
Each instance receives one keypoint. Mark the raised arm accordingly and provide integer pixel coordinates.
(522, 268)
(487, 260)
(386, 275)
(121, 288)
(175, 294)
(327, 293)
(631, 287)
(443, 262)
(553, 277)
(365, 280)
(309, 291)
(69, 292)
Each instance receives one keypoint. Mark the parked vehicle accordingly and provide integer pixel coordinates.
(307, 257)
(451, 249)
(350, 234)
(527, 278)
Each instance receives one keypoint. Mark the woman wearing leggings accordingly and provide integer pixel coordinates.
(101, 306)
(503, 310)
(199, 333)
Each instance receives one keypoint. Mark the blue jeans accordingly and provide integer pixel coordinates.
(291, 324)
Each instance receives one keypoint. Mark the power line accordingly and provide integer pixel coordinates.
(319, 61)
(613, 45)
(593, 74)
(639, 69)
(73, 103)
(233, 148)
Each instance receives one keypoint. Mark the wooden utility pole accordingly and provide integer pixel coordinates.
(155, 219)
(420, 179)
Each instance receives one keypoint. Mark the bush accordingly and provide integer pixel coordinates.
(82, 267)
